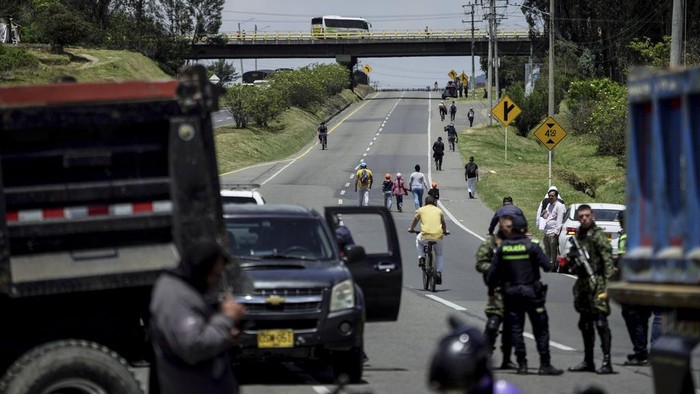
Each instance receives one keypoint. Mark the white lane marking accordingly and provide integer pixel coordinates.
(430, 177)
(371, 143)
(367, 149)
(571, 276)
(279, 172)
(377, 133)
(340, 201)
(348, 183)
(342, 192)
(321, 390)
(374, 139)
(364, 154)
(380, 129)
(551, 343)
(445, 302)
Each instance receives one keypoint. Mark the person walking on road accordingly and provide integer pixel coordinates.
(418, 185)
(438, 153)
(386, 188)
(506, 209)
(471, 175)
(470, 116)
(363, 183)
(590, 293)
(323, 135)
(453, 111)
(516, 267)
(191, 339)
(495, 310)
(451, 136)
(553, 216)
(442, 109)
(398, 189)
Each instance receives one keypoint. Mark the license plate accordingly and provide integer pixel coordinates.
(275, 338)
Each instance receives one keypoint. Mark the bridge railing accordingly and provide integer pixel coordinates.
(244, 37)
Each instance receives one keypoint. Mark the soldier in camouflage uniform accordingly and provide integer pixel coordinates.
(494, 308)
(590, 297)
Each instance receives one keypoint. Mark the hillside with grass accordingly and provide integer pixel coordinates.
(578, 171)
(19, 66)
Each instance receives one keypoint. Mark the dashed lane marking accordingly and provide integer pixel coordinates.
(445, 302)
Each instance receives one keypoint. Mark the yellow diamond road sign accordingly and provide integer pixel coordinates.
(506, 111)
(367, 69)
(463, 77)
(550, 133)
(452, 74)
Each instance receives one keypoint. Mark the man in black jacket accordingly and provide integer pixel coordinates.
(438, 152)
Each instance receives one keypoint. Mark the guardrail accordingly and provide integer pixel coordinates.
(373, 35)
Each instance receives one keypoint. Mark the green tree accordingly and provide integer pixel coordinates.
(61, 26)
(648, 53)
(265, 104)
(238, 103)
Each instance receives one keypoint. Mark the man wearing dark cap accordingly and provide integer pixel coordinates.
(507, 209)
(516, 269)
(438, 153)
(190, 338)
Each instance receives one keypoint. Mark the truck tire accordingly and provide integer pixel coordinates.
(74, 366)
(348, 366)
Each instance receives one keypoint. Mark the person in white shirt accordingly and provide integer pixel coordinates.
(543, 204)
(553, 216)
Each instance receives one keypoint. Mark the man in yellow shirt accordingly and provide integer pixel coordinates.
(363, 181)
(432, 228)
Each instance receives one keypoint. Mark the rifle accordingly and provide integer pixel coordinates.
(581, 258)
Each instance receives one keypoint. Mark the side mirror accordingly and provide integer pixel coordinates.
(354, 253)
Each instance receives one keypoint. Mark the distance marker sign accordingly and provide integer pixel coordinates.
(550, 133)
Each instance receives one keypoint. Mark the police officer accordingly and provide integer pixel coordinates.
(494, 307)
(590, 297)
(516, 268)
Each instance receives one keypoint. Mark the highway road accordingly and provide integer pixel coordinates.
(392, 132)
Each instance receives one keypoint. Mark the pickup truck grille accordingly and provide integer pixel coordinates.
(303, 300)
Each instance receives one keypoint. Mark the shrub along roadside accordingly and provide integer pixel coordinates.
(289, 133)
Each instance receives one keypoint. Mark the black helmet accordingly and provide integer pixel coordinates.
(519, 223)
(461, 361)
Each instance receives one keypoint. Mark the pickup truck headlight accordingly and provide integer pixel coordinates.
(343, 296)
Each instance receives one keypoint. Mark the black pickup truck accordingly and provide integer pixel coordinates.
(311, 299)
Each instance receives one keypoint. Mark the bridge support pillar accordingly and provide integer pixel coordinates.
(350, 62)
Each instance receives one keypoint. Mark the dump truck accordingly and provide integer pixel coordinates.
(102, 187)
(661, 268)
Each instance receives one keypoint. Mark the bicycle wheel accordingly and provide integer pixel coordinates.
(433, 270)
(425, 278)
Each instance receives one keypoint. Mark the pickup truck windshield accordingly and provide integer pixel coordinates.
(279, 238)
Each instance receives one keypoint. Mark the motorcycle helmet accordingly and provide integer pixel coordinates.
(461, 361)
(387, 176)
(363, 165)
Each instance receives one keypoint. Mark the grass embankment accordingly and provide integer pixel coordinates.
(577, 171)
(85, 65)
(238, 148)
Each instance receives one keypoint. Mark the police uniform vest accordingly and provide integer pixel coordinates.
(519, 268)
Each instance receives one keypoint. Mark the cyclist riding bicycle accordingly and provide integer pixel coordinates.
(432, 229)
(323, 135)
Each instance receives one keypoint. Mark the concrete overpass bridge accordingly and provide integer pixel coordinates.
(346, 47)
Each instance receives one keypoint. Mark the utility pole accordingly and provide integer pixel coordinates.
(495, 57)
(473, 66)
(550, 106)
(489, 89)
(677, 32)
(239, 36)
(255, 36)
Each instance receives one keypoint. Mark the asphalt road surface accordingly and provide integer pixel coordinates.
(392, 132)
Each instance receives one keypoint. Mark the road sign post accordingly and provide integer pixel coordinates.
(550, 133)
(506, 111)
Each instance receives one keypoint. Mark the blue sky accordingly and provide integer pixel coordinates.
(295, 16)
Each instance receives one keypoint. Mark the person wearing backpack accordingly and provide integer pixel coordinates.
(453, 111)
(386, 188)
(451, 136)
(398, 189)
(471, 175)
(434, 191)
(363, 183)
